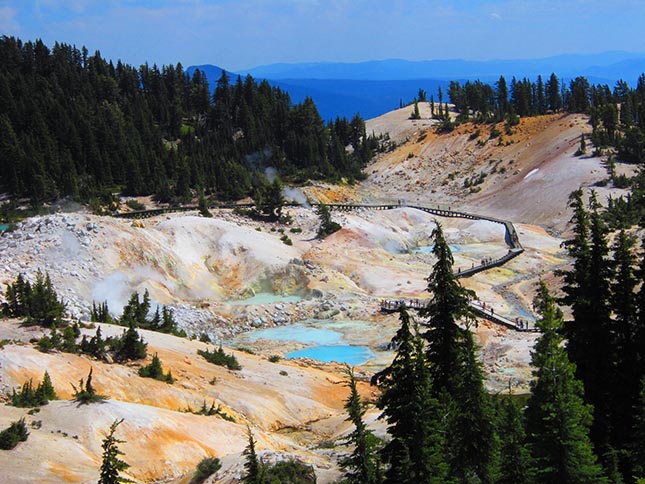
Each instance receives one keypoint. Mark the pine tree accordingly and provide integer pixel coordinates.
(45, 391)
(112, 464)
(577, 282)
(203, 207)
(252, 466)
(155, 370)
(515, 458)
(415, 453)
(624, 384)
(86, 393)
(637, 443)
(415, 112)
(361, 465)
(448, 304)
(327, 225)
(131, 346)
(471, 441)
(558, 420)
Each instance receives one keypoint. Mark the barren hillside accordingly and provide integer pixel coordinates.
(231, 276)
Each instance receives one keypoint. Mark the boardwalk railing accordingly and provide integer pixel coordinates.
(478, 308)
(511, 238)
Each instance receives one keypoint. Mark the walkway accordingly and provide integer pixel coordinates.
(511, 237)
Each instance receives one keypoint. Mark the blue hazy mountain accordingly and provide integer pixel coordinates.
(375, 87)
(335, 97)
(612, 65)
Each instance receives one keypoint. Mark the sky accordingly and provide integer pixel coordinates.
(239, 34)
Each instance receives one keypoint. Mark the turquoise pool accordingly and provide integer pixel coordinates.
(296, 332)
(352, 355)
(266, 298)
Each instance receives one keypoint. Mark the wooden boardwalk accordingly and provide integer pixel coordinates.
(511, 238)
(478, 308)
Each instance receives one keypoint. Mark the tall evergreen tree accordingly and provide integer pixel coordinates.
(553, 96)
(361, 466)
(624, 384)
(455, 373)
(577, 282)
(558, 420)
(637, 444)
(599, 354)
(448, 305)
(515, 458)
(471, 439)
(252, 467)
(415, 453)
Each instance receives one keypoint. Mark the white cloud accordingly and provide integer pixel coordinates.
(495, 16)
(8, 23)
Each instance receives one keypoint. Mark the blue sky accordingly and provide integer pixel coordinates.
(247, 33)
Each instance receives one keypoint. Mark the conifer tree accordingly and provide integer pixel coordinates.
(515, 458)
(637, 444)
(624, 384)
(45, 391)
(112, 464)
(14, 434)
(415, 112)
(415, 453)
(131, 346)
(639, 330)
(558, 420)
(327, 225)
(471, 440)
(252, 466)
(203, 207)
(599, 355)
(577, 283)
(448, 305)
(361, 465)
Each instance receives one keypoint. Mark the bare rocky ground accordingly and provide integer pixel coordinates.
(203, 268)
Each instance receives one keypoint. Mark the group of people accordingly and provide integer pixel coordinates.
(521, 324)
(394, 304)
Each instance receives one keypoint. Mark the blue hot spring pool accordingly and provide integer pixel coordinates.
(266, 298)
(326, 344)
(297, 332)
(352, 355)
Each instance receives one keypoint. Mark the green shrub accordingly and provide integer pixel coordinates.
(30, 397)
(135, 205)
(494, 133)
(38, 303)
(210, 411)
(274, 358)
(155, 370)
(206, 468)
(13, 435)
(220, 358)
(86, 393)
(289, 472)
(286, 240)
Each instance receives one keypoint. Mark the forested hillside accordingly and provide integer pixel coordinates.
(74, 124)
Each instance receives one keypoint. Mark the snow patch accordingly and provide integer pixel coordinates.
(531, 173)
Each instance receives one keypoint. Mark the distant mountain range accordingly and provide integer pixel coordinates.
(375, 87)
